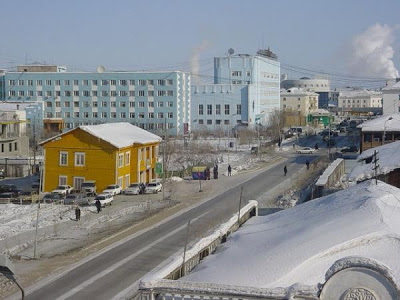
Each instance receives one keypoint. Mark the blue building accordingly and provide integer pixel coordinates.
(246, 90)
(150, 100)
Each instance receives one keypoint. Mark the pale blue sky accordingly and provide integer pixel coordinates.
(136, 35)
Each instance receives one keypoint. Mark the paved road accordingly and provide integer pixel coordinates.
(105, 276)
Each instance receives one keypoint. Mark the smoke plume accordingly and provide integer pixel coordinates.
(372, 52)
(195, 63)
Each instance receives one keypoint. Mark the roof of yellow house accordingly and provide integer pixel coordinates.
(119, 135)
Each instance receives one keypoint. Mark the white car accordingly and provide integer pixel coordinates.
(134, 189)
(105, 199)
(113, 189)
(306, 150)
(153, 187)
(63, 190)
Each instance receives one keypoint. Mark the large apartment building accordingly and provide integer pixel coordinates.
(245, 91)
(151, 100)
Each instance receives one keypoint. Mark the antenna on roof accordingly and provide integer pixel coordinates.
(231, 51)
(101, 69)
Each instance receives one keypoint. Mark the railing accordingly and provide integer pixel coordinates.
(163, 284)
(330, 177)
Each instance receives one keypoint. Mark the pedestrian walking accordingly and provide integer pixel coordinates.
(308, 164)
(215, 171)
(294, 145)
(316, 146)
(98, 205)
(285, 170)
(208, 173)
(77, 213)
(229, 170)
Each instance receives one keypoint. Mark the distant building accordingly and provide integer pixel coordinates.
(317, 85)
(297, 104)
(379, 131)
(245, 91)
(359, 99)
(391, 97)
(113, 153)
(150, 100)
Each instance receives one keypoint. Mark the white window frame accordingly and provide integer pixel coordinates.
(61, 155)
(78, 159)
(127, 180)
(120, 160)
(127, 158)
(121, 181)
(61, 179)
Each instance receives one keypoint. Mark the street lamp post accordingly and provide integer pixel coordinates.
(384, 130)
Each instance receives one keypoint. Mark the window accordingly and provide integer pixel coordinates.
(209, 109)
(142, 82)
(79, 159)
(113, 104)
(367, 137)
(248, 73)
(150, 82)
(141, 115)
(131, 104)
(104, 93)
(15, 146)
(113, 115)
(104, 104)
(67, 114)
(21, 82)
(76, 82)
(160, 104)
(94, 103)
(67, 104)
(170, 104)
(132, 115)
(122, 115)
(39, 93)
(236, 73)
(76, 114)
(94, 93)
(94, 82)
(122, 82)
(201, 109)
(150, 93)
(170, 82)
(76, 93)
(63, 158)
(58, 93)
(11, 82)
(49, 104)
(131, 93)
(160, 93)
(209, 122)
(201, 122)
(151, 115)
(122, 104)
(76, 103)
(150, 104)
(141, 104)
(30, 93)
(226, 109)
(170, 115)
(86, 114)
(21, 93)
(127, 158)
(120, 160)
(95, 115)
(141, 93)
(67, 93)
(218, 122)
(218, 109)
(62, 180)
(170, 93)
(239, 109)
(30, 82)
(104, 82)
(131, 82)
(226, 122)
(58, 114)
(104, 115)
(48, 82)
(113, 93)
(123, 93)
(66, 82)
(2, 147)
(48, 93)
(113, 82)
(160, 115)
(160, 82)
(86, 93)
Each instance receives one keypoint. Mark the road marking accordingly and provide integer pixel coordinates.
(122, 262)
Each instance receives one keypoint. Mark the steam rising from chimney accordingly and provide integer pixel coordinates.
(194, 61)
(372, 52)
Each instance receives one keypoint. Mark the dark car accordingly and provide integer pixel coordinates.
(52, 198)
(9, 188)
(80, 199)
(349, 149)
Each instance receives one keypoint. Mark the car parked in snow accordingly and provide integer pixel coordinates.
(89, 187)
(135, 189)
(52, 198)
(305, 150)
(79, 199)
(153, 187)
(113, 189)
(349, 149)
(63, 189)
(105, 199)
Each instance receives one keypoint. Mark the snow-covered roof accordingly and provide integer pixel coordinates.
(295, 91)
(389, 160)
(300, 244)
(359, 93)
(119, 135)
(394, 86)
(384, 123)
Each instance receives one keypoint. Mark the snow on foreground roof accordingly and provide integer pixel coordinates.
(382, 123)
(119, 135)
(389, 160)
(300, 244)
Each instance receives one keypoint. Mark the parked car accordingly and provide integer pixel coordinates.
(79, 199)
(135, 189)
(105, 199)
(7, 197)
(153, 187)
(349, 149)
(89, 187)
(63, 189)
(113, 189)
(306, 150)
(52, 198)
(9, 188)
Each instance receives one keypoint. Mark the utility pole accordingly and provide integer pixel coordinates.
(184, 250)
(164, 154)
(376, 166)
(34, 144)
(240, 204)
(37, 214)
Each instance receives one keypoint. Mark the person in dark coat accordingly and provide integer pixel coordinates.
(229, 170)
(77, 213)
(215, 172)
(208, 174)
(285, 170)
(316, 146)
(308, 164)
(98, 205)
(205, 174)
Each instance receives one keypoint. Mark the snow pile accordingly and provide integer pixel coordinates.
(288, 199)
(299, 245)
(389, 160)
(175, 179)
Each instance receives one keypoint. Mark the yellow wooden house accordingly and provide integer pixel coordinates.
(112, 153)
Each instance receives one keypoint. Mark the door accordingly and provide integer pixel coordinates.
(78, 183)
